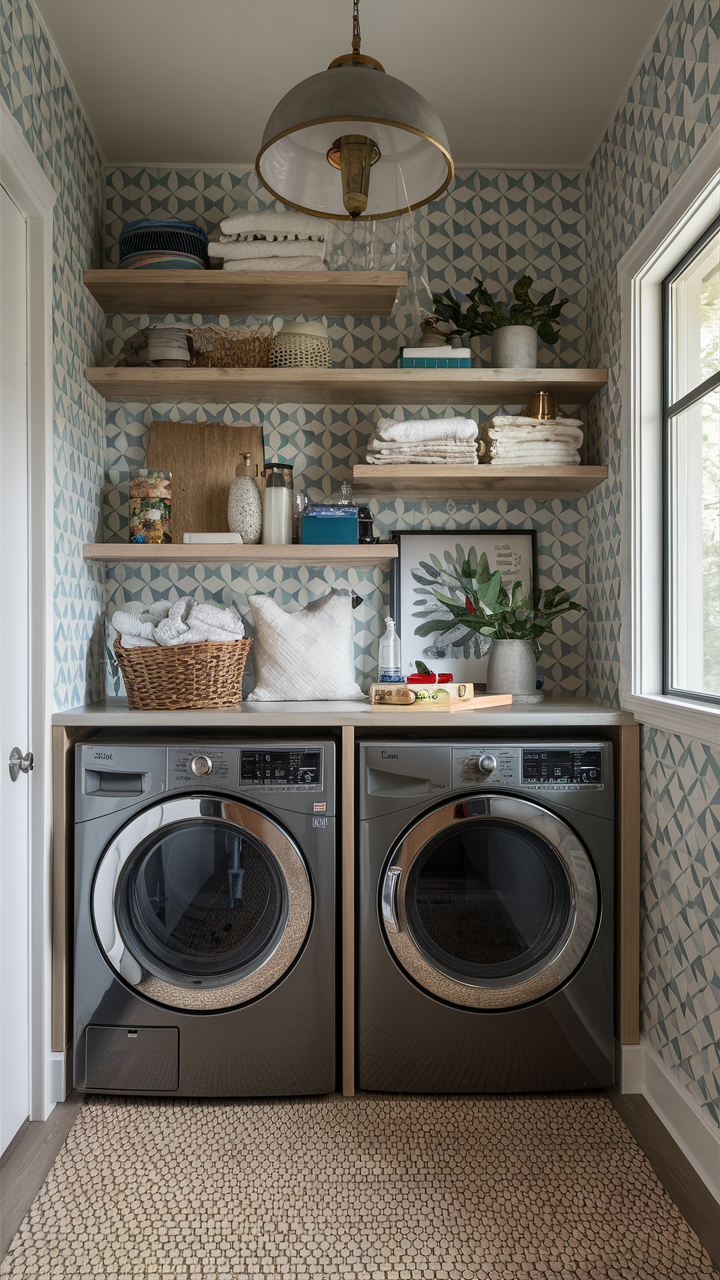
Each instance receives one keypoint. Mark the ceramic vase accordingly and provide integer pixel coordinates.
(514, 347)
(512, 668)
(245, 510)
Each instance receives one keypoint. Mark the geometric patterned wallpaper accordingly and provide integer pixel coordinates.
(496, 224)
(672, 106)
(36, 91)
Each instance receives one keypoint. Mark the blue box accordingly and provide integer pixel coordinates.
(332, 529)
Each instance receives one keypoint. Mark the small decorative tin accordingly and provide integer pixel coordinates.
(150, 506)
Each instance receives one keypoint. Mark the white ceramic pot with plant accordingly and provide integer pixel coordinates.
(514, 622)
(514, 330)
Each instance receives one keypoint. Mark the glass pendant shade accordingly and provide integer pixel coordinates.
(349, 103)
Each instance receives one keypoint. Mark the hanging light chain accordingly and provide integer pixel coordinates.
(356, 26)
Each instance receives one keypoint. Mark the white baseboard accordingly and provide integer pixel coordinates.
(642, 1070)
(57, 1077)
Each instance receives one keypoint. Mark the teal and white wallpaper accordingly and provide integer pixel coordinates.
(35, 89)
(672, 107)
(497, 224)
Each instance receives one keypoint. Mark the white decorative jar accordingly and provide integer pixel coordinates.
(514, 346)
(512, 668)
(245, 511)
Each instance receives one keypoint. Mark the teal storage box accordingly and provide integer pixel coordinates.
(330, 525)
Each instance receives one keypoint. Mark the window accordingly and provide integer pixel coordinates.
(691, 472)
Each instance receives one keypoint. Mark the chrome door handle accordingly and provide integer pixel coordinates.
(19, 763)
(389, 895)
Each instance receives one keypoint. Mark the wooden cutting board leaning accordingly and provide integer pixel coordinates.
(202, 457)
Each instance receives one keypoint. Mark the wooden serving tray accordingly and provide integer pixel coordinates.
(481, 703)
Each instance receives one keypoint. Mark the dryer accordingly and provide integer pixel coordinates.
(204, 959)
(485, 952)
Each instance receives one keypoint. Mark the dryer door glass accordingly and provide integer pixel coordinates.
(487, 900)
(490, 903)
(203, 898)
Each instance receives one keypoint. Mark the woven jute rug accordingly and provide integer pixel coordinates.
(372, 1188)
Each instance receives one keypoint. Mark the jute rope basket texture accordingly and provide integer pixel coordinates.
(185, 677)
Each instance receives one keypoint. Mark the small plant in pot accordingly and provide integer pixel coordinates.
(513, 621)
(514, 329)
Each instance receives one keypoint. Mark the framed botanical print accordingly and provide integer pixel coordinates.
(423, 554)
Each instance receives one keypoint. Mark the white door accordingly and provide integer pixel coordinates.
(14, 677)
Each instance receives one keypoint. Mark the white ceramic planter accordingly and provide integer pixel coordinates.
(514, 346)
(512, 668)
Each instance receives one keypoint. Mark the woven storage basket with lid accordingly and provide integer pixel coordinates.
(301, 344)
(184, 677)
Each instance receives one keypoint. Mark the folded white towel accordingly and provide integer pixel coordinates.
(439, 458)
(275, 264)
(417, 429)
(517, 420)
(420, 446)
(269, 223)
(534, 435)
(536, 460)
(239, 249)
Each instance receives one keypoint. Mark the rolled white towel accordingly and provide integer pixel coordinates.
(417, 429)
(131, 624)
(242, 249)
(275, 264)
(190, 621)
(272, 223)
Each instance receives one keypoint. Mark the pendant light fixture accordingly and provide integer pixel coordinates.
(354, 143)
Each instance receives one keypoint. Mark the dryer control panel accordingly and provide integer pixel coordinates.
(541, 768)
(282, 769)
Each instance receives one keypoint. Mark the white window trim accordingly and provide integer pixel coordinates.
(689, 209)
(26, 184)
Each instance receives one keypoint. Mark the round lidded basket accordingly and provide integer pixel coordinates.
(301, 344)
(184, 677)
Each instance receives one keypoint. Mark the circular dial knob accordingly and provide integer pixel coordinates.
(201, 765)
(487, 764)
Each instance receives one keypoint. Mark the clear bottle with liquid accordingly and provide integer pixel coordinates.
(389, 657)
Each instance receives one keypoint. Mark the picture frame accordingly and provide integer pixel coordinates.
(512, 551)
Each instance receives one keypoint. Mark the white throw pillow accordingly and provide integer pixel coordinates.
(307, 655)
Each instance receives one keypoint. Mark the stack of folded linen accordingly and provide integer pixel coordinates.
(268, 241)
(443, 440)
(185, 621)
(529, 442)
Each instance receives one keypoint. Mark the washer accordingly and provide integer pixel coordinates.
(486, 916)
(204, 917)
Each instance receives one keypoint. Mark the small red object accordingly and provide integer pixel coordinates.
(469, 605)
(445, 677)
(420, 679)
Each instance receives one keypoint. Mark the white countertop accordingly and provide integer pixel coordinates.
(554, 712)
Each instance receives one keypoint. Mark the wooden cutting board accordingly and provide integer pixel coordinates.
(202, 457)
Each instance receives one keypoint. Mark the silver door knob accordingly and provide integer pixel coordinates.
(201, 766)
(19, 763)
(487, 764)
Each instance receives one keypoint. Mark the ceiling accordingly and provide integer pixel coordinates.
(515, 82)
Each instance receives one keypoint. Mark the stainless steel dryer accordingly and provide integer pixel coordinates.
(204, 957)
(486, 916)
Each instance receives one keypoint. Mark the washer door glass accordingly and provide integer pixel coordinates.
(490, 902)
(201, 903)
(489, 899)
(203, 898)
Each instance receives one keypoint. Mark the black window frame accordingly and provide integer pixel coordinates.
(669, 411)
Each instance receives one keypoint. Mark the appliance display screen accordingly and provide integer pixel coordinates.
(289, 768)
(562, 766)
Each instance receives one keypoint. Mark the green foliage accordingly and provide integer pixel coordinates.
(477, 599)
(484, 315)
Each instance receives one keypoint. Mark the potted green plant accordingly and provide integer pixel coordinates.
(514, 328)
(514, 622)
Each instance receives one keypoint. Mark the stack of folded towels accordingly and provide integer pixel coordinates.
(529, 442)
(186, 621)
(443, 440)
(268, 241)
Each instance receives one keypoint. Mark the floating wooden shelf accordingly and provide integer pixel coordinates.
(330, 293)
(421, 480)
(348, 386)
(361, 557)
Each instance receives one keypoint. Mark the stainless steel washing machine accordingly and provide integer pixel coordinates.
(485, 954)
(204, 959)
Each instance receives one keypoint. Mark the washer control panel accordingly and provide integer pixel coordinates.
(546, 768)
(211, 765)
(282, 769)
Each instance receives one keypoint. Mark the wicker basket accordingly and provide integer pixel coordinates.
(217, 348)
(184, 677)
(301, 345)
